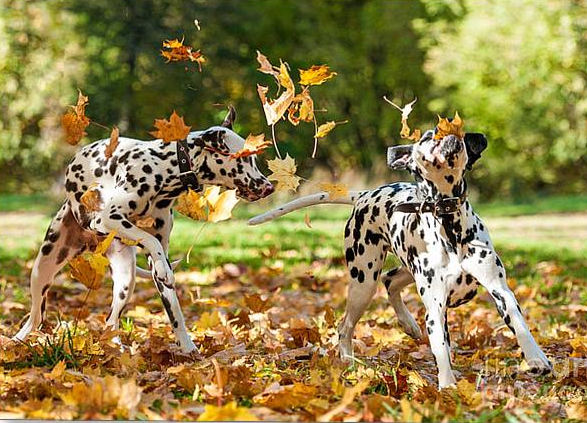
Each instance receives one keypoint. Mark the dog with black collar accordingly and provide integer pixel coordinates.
(141, 179)
(442, 244)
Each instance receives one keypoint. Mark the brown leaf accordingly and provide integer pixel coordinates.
(112, 144)
(173, 129)
(75, 122)
(254, 144)
(256, 304)
(91, 199)
(178, 52)
(89, 268)
(444, 127)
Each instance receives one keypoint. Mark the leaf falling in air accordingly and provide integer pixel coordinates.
(221, 209)
(406, 110)
(254, 144)
(212, 206)
(284, 173)
(444, 127)
(178, 52)
(89, 268)
(301, 109)
(173, 129)
(91, 199)
(112, 144)
(192, 205)
(325, 128)
(266, 66)
(316, 75)
(75, 121)
(335, 190)
(274, 109)
(307, 220)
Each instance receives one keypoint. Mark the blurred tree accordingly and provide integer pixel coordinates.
(518, 72)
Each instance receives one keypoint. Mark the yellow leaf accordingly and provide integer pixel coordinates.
(284, 172)
(275, 109)
(112, 144)
(228, 412)
(171, 130)
(348, 397)
(468, 393)
(208, 320)
(281, 397)
(192, 205)
(179, 52)
(58, 371)
(129, 242)
(284, 78)
(89, 268)
(221, 208)
(91, 199)
(335, 190)
(75, 122)
(303, 105)
(254, 144)
(147, 222)
(406, 110)
(408, 413)
(316, 75)
(576, 410)
(307, 220)
(444, 127)
(325, 128)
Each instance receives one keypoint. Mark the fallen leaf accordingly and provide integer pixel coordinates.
(285, 396)
(468, 393)
(335, 190)
(173, 129)
(227, 412)
(316, 75)
(75, 122)
(349, 395)
(91, 199)
(256, 304)
(284, 172)
(112, 144)
(89, 268)
(254, 144)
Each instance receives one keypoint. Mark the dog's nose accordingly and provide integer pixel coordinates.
(268, 189)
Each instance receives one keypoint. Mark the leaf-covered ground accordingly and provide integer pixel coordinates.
(262, 304)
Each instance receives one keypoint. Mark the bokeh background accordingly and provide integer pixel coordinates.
(515, 70)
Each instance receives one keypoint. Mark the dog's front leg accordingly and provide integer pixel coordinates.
(160, 267)
(484, 264)
(434, 298)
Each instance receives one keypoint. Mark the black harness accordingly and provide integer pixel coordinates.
(438, 208)
(187, 176)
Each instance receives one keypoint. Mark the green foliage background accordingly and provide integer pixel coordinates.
(516, 71)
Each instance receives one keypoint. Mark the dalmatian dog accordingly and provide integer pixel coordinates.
(141, 179)
(443, 246)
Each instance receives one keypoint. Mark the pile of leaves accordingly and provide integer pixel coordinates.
(269, 338)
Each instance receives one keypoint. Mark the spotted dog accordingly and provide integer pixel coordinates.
(443, 246)
(140, 179)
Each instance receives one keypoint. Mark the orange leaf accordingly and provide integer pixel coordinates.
(89, 268)
(112, 144)
(254, 144)
(316, 75)
(303, 105)
(307, 220)
(256, 304)
(147, 222)
(91, 199)
(171, 130)
(444, 127)
(178, 52)
(75, 122)
(406, 110)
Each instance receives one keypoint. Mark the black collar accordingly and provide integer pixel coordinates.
(187, 176)
(438, 208)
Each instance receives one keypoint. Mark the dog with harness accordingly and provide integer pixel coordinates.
(442, 244)
(141, 179)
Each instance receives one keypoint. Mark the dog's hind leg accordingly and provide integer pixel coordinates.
(395, 280)
(122, 268)
(60, 244)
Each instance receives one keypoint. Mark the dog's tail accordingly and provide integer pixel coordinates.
(146, 274)
(308, 200)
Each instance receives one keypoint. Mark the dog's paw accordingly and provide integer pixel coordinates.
(412, 330)
(539, 366)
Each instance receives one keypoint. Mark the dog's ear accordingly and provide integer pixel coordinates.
(230, 118)
(475, 144)
(399, 156)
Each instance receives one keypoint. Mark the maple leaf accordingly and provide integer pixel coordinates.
(91, 199)
(219, 205)
(444, 127)
(406, 110)
(468, 393)
(192, 205)
(75, 122)
(284, 172)
(254, 144)
(275, 109)
(147, 222)
(316, 75)
(334, 190)
(177, 52)
(228, 412)
(112, 144)
(303, 105)
(256, 304)
(89, 268)
(325, 128)
(173, 129)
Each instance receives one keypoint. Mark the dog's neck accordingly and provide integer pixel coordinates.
(429, 190)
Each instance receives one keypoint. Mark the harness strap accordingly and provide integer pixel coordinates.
(187, 176)
(441, 207)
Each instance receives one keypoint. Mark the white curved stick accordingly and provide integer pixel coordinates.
(146, 274)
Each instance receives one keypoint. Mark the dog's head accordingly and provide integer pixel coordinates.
(217, 167)
(440, 159)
